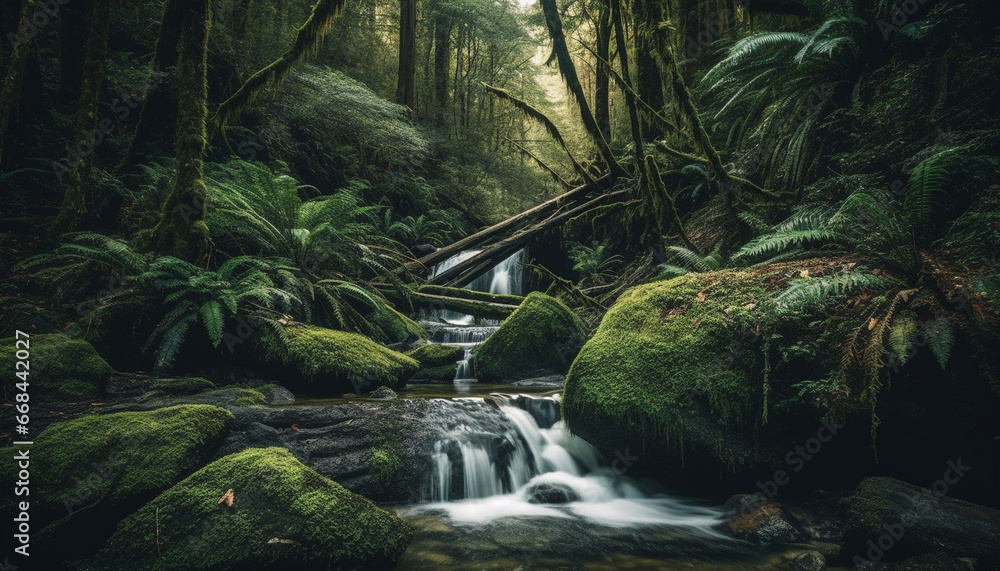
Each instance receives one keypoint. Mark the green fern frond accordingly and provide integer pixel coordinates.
(213, 320)
(928, 182)
(940, 338)
(818, 290)
(780, 242)
(902, 334)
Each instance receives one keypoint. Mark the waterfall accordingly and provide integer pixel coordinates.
(460, 329)
(513, 459)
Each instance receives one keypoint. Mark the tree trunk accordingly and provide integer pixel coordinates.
(157, 108)
(442, 60)
(181, 230)
(78, 201)
(72, 36)
(568, 70)
(406, 85)
(602, 88)
(22, 40)
(646, 16)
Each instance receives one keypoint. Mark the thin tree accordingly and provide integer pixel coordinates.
(406, 85)
(10, 95)
(78, 198)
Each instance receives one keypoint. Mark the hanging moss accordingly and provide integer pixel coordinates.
(541, 337)
(284, 515)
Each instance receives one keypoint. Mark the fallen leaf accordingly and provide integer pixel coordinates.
(98, 403)
(749, 306)
(804, 274)
(877, 271)
(296, 428)
(701, 296)
(697, 322)
(872, 323)
(227, 498)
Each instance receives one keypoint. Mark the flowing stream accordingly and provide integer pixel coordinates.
(510, 487)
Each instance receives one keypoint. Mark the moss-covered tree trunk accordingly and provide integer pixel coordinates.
(10, 95)
(442, 59)
(157, 107)
(602, 76)
(568, 71)
(90, 131)
(646, 16)
(181, 230)
(406, 84)
(72, 35)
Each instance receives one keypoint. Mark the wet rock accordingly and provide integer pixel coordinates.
(62, 368)
(766, 524)
(939, 561)
(277, 394)
(809, 561)
(383, 393)
(888, 519)
(550, 493)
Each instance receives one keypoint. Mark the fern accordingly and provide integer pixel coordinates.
(929, 181)
(902, 334)
(808, 291)
(782, 241)
(940, 338)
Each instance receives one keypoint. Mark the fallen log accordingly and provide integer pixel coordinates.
(513, 223)
(466, 271)
(462, 293)
(486, 309)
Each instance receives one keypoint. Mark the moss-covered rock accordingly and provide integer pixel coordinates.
(397, 327)
(658, 347)
(540, 338)
(121, 456)
(441, 374)
(62, 368)
(325, 361)
(432, 355)
(181, 385)
(283, 515)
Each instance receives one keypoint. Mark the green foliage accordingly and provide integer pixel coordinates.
(928, 183)
(283, 514)
(810, 292)
(940, 339)
(902, 334)
(594, 264)
(432, 355)
(687, 261)
(190, 294)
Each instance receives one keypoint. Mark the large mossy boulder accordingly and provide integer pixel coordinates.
(672, 363)
(256, 509)
(62, 368)
(89, 472)
(324, 361)
(539, 339)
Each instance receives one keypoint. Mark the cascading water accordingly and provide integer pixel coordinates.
(460, 329)
(511, 457)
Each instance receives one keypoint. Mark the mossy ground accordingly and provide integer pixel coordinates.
(181, 385)
(284, 515)
(335, 362)
(115, 458)
(61, 368)
(541, 335)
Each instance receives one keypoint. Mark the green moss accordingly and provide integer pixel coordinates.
(386, 463)
(62, 368)
(397, 327)
(330, 360)
(182, 385)
(284, 516)
(383, 393)
(662, 342)
(541, 335)
(460, 293)
(118, 457)
(246, 397)
(432, 355)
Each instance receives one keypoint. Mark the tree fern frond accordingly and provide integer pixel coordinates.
(213, 320)
(940, 338)
(817, 290)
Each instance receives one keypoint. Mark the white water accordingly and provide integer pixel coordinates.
(503, 462)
